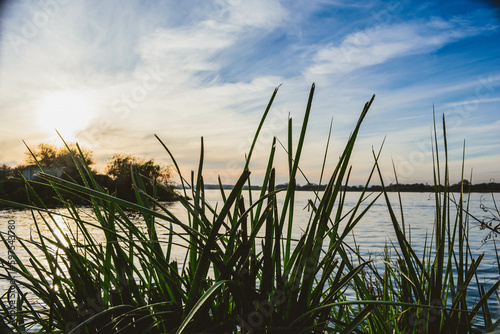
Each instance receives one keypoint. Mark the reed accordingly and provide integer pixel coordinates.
(242, 272)
(430, 291)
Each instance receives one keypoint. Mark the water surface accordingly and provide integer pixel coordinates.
(372, 234)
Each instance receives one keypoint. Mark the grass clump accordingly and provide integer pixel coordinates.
(430, 290)
(242, 272)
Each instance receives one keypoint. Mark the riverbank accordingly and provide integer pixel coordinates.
(491, 187)
(39, 192)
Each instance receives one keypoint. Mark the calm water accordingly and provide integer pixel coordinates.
(371, 235)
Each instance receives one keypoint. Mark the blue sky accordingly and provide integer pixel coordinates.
(112, 74)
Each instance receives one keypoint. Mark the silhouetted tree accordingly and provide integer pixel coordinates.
(6, 172)
(120, 167)
(60, 158)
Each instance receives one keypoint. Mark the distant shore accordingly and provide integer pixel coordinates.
(414, 187)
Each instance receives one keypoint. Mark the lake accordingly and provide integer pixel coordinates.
(371, 235)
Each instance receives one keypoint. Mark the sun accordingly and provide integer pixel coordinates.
(66, 112)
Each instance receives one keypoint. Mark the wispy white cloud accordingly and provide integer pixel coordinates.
(382, 42)
(468, 102)
(259, 13)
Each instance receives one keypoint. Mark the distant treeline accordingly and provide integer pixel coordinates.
(414, 187)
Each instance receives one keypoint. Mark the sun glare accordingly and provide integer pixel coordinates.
(65, 112)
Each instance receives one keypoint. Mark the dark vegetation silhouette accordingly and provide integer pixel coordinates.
(20, 183)
(413, 187)
(120, 169)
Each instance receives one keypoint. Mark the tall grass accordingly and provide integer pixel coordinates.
(242, 272)
(431, 289)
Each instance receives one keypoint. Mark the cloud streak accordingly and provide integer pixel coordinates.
(380, 43)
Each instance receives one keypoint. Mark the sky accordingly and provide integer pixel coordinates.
(112, 74)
